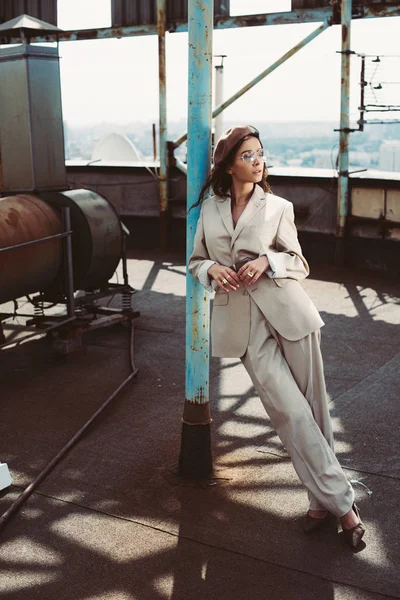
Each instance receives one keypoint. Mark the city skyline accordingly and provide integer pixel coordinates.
(118, 79)
(298, 144)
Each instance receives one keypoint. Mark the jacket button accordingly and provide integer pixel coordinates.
(245, 293)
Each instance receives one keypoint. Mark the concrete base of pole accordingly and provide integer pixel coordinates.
(195, 459)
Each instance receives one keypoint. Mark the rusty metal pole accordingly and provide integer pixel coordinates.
(219, 98)
(343, 183)
(195, 458)
(161, 27)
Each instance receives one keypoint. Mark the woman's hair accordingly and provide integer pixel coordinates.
(220, 181)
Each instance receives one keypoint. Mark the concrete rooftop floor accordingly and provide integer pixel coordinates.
(113, 522)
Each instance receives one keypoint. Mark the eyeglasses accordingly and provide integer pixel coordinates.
(250, 157)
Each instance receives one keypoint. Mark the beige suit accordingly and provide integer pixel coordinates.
(273, 326)
(265, 227)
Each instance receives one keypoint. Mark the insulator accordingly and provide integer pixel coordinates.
(126, 301)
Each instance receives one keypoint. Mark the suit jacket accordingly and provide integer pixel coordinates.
(266, 226)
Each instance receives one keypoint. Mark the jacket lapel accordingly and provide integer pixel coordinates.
(224, 209)
(256, 202)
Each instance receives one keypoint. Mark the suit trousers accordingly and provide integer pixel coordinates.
(289, 379)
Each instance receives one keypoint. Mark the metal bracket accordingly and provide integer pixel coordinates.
(346, 130)
(347, 173)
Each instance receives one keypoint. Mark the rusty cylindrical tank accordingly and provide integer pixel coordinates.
(96, 242)
(23, 271)
(97, 235)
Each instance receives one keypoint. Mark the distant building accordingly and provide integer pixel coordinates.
(116, 147)
(323, 159)
(360, 159)
(389, 156)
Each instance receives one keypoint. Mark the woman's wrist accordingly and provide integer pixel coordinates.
(210, 267)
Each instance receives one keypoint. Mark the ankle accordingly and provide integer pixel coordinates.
(349, 520)
(317, 514)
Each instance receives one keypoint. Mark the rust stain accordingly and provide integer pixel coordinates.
(12, 217)
(200, 397)
(87, 34)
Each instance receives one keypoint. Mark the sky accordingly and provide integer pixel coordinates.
(117, 80)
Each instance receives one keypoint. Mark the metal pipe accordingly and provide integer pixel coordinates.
(199, 155)
(161, 27)
(32, 242)
(343, 183)
(195, 457)
(154, 142)
(124, 259)
(6, 516)
(363, 83)
(181, 166)
(219, 98)
(262, 75)
(69, 272)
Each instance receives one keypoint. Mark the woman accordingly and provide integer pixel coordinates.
(246, 248)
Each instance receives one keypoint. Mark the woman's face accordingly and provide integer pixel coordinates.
(248, 164)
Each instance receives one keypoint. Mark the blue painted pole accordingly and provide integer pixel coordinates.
(195, 458)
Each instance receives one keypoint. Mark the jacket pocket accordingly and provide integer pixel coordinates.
(281, 281)
(221, 299)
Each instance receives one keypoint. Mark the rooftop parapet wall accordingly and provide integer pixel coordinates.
(375, 201)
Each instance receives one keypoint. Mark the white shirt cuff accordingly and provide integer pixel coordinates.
(204, 278)
(277, 267)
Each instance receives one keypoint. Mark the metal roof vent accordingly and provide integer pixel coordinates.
(31, 127)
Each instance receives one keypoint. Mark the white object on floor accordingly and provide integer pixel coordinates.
(5, 477)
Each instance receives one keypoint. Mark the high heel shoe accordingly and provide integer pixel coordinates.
(354, 535)
(312, 524)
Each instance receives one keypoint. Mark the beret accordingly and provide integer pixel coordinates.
(229, 139)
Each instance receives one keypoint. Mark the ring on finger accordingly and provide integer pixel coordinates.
(250, 273)
(224, 281)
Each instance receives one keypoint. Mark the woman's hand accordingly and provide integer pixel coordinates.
(225, 277)
(252, 270)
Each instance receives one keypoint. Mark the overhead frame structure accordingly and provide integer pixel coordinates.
(162, 16)
(321, 13)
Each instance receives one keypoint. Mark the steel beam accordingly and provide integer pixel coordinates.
(161, 27)
(261, 76)
(195, 458)
(311, 15)
(343, 183)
